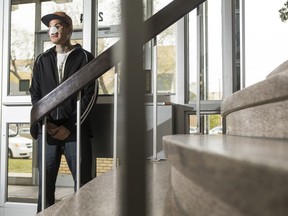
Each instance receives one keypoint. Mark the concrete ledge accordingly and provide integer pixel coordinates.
(273, 89)
(260, 110)
(241, 175)
(269, 120)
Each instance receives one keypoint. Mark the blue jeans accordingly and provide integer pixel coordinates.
(54, 150)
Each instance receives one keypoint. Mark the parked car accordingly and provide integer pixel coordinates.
(19, 147)
(192, 130)
(216, 130)
(24, 132)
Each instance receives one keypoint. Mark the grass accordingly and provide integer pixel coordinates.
(20, 165)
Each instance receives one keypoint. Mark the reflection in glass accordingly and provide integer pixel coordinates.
(209, 124)
(21, 48)
(166, 60)
(109, 12)
(159, 4)
(20, 160)
(22, 168)
(73, 8)
(208, 45)
(106, 81)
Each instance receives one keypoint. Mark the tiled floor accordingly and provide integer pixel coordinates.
(28, 194)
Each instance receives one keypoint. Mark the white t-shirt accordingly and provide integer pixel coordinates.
(61, 60)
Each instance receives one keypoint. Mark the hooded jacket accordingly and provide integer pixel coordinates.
(45, 79)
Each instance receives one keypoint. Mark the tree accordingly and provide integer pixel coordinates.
(284, 12)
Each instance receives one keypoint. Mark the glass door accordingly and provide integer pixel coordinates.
(23, 38)
(18, 164)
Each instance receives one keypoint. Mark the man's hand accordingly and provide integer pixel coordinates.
(50, 127)
(57, 132)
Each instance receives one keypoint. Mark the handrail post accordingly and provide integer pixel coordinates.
(115, 116)
(78, 141)
(155, 94)
(43, 188)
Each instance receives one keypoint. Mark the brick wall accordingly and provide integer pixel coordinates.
(102, 166)
(64, 169)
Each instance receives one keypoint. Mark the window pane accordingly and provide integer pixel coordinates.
(21, 48)
(109, 12)
(106, 81)
(265, 37)
(209, 124)
(159, 4)
(73, 8)
(109, 15)
(166, 54)
(214, 91)
(20, 156)
(166, 61)
(205, 52)
(192, 55)
(22, 172)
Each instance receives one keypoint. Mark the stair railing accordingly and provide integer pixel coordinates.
(96, 68)
(106, 60)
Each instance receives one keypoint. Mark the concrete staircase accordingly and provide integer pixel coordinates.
(245, 171)
(228, 175)
(102, 195)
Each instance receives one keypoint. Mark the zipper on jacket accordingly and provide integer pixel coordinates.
(56, 75)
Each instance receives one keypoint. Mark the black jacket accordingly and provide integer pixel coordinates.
(45, 79)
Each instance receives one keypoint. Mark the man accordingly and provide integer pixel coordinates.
(52, 68)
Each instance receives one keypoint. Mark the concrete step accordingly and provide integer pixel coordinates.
(228, 175)
(102, 196)
(260, 110)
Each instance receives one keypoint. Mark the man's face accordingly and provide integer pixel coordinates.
(59, 32)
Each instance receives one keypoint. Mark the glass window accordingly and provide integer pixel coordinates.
(23, 39)
(21, 48)
(207, 44)
(214, 91)
(109, 12)
(109, 19)
(166, 61)
(73, 8)
(159, 4)
(166, 55)
(209, 124)
(22, 171)
(106, 81)
(265, 39)
(20, 157)
(193, 55)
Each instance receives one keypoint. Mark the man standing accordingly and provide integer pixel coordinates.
(51, 68)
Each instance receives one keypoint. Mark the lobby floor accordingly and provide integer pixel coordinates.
(28, 194)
